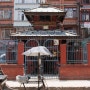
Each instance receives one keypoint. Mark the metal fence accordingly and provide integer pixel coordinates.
(8, 51)
(76, 52)
(49, 66)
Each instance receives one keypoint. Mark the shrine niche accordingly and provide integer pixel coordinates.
(48, 31)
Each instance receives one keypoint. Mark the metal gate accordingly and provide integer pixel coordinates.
(49, 64)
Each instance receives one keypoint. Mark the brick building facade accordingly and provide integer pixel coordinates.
(6, 18)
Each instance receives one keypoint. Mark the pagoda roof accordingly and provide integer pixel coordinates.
(45, 9)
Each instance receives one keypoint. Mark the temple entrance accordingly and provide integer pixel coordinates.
(49, 63)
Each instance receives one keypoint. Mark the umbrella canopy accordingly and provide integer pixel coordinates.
(42, 50)
(38, 51)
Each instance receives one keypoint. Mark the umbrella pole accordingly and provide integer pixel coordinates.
(39, 63)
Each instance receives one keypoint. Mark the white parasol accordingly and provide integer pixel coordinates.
(38, 51)
(34, 51)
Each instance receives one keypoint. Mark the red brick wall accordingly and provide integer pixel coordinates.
(75, 72)
(63, 54)
(12, 70)
(20, 57)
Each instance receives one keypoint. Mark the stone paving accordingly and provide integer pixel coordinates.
(52, 84)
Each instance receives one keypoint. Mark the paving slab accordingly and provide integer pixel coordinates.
(54, 84)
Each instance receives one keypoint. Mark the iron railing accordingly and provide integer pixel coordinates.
(8, 51)
(76, 52)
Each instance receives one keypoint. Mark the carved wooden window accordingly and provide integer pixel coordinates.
(45, 18)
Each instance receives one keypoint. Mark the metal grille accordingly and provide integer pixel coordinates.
(49, 64)
(76, 52)
(8, 51)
